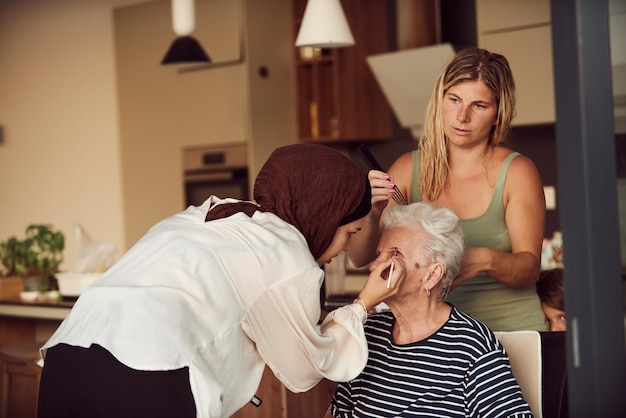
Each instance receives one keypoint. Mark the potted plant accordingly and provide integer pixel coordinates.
(39, 255)
(13, 258)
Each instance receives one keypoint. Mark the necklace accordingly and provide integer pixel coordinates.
(449, 181)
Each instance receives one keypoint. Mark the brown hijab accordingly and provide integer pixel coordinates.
(310, 186)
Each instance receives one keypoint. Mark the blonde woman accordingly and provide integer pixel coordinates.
(461, 163)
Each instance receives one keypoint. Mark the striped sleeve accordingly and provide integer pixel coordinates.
(492, 391)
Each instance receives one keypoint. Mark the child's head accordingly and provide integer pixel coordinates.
(551, 292)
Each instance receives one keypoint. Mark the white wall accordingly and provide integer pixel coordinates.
(59, 162)
(165, 108)
(94, 126)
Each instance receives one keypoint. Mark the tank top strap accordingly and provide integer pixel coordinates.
(495, 210)
(416, 195)
(505, 169)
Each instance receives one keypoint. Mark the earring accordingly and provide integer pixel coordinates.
(428, 292)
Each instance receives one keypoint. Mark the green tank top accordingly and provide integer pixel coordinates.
(500, 307)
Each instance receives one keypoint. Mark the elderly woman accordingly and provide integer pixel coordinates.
(426, 357)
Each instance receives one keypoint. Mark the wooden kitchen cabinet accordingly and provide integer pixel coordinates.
(338, 98)
(24, 326)
(272, 395)
(278, 402)
(521, 31)
(313, 403)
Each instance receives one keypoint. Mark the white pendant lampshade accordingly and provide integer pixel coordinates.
(324, 25)
(183, 17)
(185, 49)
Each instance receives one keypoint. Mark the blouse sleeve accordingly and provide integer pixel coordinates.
(283, 324)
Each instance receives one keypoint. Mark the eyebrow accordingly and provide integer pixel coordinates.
(474, 102)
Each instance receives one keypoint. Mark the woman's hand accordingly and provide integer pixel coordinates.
(474, 261)
(504, 267)
(363, 246)
(378, 286)
(382, 188)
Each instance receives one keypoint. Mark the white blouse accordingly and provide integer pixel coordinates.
(223, 298)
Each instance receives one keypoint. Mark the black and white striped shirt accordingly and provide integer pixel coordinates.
(459, 371)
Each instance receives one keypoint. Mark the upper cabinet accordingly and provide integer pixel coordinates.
(521, 31)
(338, 98)
(498, 15)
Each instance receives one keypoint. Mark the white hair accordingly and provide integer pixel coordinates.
(446, 243)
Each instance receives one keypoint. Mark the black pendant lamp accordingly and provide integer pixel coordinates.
(185, 49)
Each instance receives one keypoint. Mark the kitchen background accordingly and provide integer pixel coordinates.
(92, 128)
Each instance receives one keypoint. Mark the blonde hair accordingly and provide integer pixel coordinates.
(470, 64)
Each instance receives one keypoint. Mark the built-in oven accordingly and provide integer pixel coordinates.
(220, 170)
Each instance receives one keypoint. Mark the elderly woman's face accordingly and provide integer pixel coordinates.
(405, 243)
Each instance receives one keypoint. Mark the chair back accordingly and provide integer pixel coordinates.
(524, 351)
(554, 362)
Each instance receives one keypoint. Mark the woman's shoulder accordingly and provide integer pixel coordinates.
(473, 331)
(404, 160)
(517, 160)
(378, 318)
(521, 171)
(401, 169)
(379, 323)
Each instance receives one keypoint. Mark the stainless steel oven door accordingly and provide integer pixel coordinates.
(231, 183)
(219, 170)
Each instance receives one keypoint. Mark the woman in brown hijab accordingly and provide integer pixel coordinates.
(186, 321)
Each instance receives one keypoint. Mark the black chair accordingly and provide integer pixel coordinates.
(554, 375)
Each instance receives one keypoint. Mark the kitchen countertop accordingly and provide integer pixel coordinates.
(47, 309)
